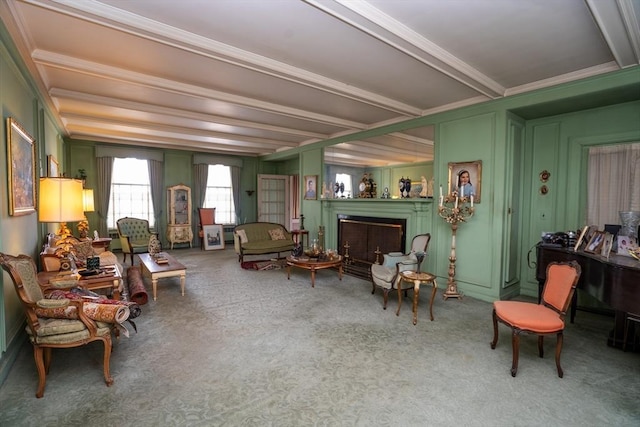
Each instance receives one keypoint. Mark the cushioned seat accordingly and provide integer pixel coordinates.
(387, 275)
(541, 319)
(134, 236)
(258, 238)
(48, 333)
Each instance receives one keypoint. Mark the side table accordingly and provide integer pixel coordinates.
(417, 278)
(101, 244)
(299, 236)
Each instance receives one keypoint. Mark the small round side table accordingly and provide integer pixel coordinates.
(417, 278)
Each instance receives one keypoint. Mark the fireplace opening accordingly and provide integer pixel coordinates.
(368, 238)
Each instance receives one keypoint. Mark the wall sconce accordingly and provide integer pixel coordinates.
(250, 192)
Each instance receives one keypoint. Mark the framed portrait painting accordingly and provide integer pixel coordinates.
(213, 237)
(466, 179)
(310, 187)
(21, 169)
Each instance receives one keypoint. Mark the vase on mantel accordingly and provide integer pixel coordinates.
(630, 221)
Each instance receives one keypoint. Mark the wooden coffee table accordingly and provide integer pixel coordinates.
(312, 264)
(158, 271)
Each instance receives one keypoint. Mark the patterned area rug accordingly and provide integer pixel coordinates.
(264, 265)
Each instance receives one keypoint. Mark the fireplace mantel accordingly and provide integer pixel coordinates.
(417, 212)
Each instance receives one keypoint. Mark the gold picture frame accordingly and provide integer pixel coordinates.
(474, 169)
(21, 153)
(310, 187)
(52, 167)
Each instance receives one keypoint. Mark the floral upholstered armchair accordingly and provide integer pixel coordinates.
(134, 236)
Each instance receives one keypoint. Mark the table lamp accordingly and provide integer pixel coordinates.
(60, 200)
(87, 206)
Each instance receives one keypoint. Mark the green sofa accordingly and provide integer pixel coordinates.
(258, 238)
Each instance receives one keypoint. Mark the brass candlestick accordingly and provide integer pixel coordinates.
(454, 210)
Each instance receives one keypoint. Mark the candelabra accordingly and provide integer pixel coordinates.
(454, 210)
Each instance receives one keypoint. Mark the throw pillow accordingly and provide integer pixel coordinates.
(82, 251)
(277, 234)
(242, 234)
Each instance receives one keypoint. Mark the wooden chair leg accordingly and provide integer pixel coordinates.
(495, 330)
(38, 355)
(541, 346)
(558, 351)
(107, 361)
(47, 358)
(385, 298)
(515, 342)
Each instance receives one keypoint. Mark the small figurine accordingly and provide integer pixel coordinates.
(425, 188)
(385, 193)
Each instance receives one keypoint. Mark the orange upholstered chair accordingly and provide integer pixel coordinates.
(207, 217)
(546, 318)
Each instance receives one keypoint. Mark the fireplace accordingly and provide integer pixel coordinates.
(365, 236)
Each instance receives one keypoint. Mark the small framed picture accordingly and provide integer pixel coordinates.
(581, 240)
(624, 244)
(595, 243)
(310, 187)
(213, 237)
(607, 244)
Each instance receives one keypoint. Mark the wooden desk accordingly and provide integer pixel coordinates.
(109, 280)
(612, 280)
(158, 271)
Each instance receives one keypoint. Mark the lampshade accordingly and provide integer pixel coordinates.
(60, 200)
(87, 200)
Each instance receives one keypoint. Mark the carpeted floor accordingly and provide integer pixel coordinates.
(251, 348)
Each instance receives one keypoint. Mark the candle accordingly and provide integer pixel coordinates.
(462, 192)
(440, 192)
(441, 200)
(472, 200)
(456, 204)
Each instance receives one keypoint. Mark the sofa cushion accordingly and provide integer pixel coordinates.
(242, 235)
(277, 234)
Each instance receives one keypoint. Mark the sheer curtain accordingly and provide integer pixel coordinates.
(613, 183)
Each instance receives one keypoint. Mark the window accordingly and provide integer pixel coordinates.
(343, 178)
(130, 191)
(220, 195)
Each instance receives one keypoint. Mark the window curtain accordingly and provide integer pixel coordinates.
(235, 190)
(157, 187)
(200, 177)
(613, 182)
(103, 193)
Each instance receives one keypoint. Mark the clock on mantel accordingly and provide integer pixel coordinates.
(179, 212)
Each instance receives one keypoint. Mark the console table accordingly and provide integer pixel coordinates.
(614, 281)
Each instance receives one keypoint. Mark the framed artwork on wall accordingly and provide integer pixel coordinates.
(52, 166)
(22, 169)
(213, 237)
(310, 187)
(466, 179)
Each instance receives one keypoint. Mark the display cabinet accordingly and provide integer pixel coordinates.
(179, 211)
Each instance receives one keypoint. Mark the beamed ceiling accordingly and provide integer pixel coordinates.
(255, 77)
